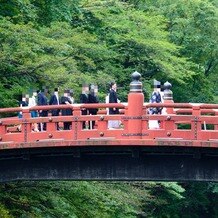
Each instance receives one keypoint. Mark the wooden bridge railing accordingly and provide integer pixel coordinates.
(199, 126)
(194, 124)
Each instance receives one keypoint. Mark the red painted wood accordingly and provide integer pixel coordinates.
(134, 114)
(134, 129)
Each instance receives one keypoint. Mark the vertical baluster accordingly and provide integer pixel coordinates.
(76, 123)
(26, 125)
(196, 124)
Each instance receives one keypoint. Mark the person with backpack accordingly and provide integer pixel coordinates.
(155, 98)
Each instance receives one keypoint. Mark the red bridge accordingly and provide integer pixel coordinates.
(184, 147)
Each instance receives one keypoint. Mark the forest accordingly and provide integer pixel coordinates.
(64, 43)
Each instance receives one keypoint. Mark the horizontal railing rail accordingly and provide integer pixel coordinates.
(173, 124)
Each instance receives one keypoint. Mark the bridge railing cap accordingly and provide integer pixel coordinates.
(136, 85)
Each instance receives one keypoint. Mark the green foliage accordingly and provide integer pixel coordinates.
(108, 199)
(51, 56)
(139, 40)
(201, 200)
(106, 39)
(165, 201)
(71, 199)
(19, 11)
(192, 25)
(4, 213)
(68, 42)
(55, 10)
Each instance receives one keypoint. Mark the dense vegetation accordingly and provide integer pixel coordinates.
(67, 42)
(104, 199)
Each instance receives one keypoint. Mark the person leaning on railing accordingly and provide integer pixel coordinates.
(32, 103)
(41, 101)
(54, 100)
(84, 100)
(93, 99)
(65, 99)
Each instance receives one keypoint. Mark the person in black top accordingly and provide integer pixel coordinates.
(65, 99)
(71, 96)
(84, 99)
(113, 99)
(54, 100)
(42, 100)
(93, 99)
(23, 103)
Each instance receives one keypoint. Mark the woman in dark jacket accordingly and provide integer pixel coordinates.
(66, 112)
(93, 99)
(113, 98)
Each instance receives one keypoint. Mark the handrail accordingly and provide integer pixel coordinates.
(180, 124)
(111, 105)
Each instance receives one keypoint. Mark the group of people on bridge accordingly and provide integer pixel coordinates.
(89, 95)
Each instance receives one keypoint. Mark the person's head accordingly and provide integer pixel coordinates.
(113, 86)
(85, 88)
(66, 92)
(27, 96)
(157, 85)
(24, 97)
(91, 88)
(34, 93)
(96, 89)
(44, 90)
(71, 92)
(56, 89)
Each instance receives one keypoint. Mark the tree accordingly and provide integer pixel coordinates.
(138, 38)
(192, 25)
(105, 38)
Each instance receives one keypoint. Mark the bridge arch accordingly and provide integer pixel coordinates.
(132, 152)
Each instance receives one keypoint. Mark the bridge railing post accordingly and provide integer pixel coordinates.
(26, 125)
(168, 97)
(76, 124)
(102, 123)
(135, 108)
(216, 125)
(168, 124)
(195, 123)
(125, 121)
(145, 120)
(3, 131)
(51, 125)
